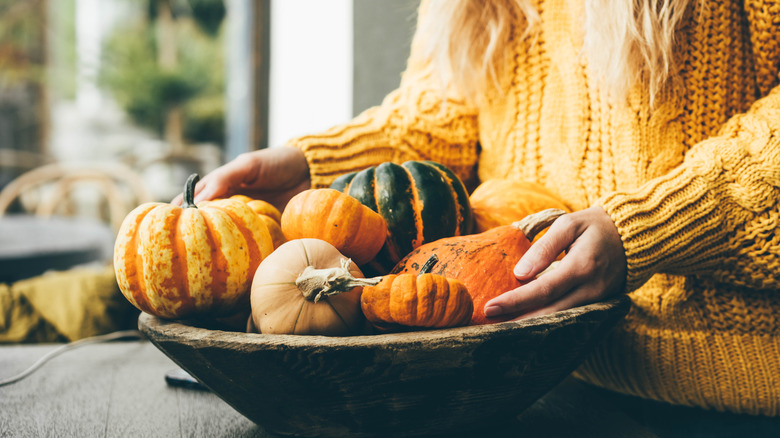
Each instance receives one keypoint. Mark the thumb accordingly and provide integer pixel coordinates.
(207, 192)
(544, 251)
(223, 180)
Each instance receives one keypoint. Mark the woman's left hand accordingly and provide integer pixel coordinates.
(593, 268)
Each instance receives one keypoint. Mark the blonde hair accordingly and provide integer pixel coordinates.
(623, 41)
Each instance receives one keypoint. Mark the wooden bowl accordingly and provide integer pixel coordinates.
(404, 384)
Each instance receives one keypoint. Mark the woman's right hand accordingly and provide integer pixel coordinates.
(273, 174)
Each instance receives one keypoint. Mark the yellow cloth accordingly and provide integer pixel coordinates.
(64, 306)
(692, 185)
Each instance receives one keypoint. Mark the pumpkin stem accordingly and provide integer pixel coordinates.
(533, 224)
(189, 191)
(316, 284)
(428, 265)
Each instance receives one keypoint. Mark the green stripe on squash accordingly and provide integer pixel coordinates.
(466, 219)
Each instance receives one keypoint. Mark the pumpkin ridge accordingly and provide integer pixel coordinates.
(219, 263)
(450, 313)
(255, 254)
(336, 312)
(298, 317)
(398, 211)
(340, 212)
(458, 214)
(143, 288)
(156, 253)
(435, 201)
(403, 298)
(305, 253)
(461, 197)
(439, 310)
(414, 303)
(308, 263)
(362, 187)
(424, 301)
(134, 264)
(416, 209)
(179, 261)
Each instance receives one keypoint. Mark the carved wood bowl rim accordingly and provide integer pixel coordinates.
(192, 332)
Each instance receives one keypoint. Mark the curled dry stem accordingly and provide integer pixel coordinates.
(316, 284)
(533, 224)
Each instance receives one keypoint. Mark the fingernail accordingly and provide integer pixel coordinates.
(522, 268)
(491, 311)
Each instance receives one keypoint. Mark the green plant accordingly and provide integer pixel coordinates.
(168, 63)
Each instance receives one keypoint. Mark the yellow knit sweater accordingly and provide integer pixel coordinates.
(692, 185)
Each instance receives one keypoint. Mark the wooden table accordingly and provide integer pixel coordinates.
(118, 389)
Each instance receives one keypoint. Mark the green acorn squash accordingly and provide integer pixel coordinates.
(421, 201)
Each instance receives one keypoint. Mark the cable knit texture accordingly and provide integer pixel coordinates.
(692, 184)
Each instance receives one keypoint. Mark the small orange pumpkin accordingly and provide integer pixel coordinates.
(498, 202)
(420, 300)
(193, 260)
(483, 262)
(339, 219)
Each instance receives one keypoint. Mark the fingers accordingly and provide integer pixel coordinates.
(575, 298)
(547, 288)
(567, 293)
(224, 180)
(228, 179)
(593, 268)
(544, 251)
(551, 287)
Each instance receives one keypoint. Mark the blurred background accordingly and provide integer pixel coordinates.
(168, 87)
(107, 104)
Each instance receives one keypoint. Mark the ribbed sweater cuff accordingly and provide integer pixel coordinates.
(343, 149)
(671, 224)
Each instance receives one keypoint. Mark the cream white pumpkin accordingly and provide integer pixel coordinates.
(307, 287)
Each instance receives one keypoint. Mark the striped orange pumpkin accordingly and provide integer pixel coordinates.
(193, 260)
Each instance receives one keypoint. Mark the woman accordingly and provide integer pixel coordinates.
(658, 121)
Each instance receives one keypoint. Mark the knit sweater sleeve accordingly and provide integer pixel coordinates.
(715, 215)
(412, 123)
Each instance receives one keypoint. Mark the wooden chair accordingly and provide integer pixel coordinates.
(14, 162)
(54, 189)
